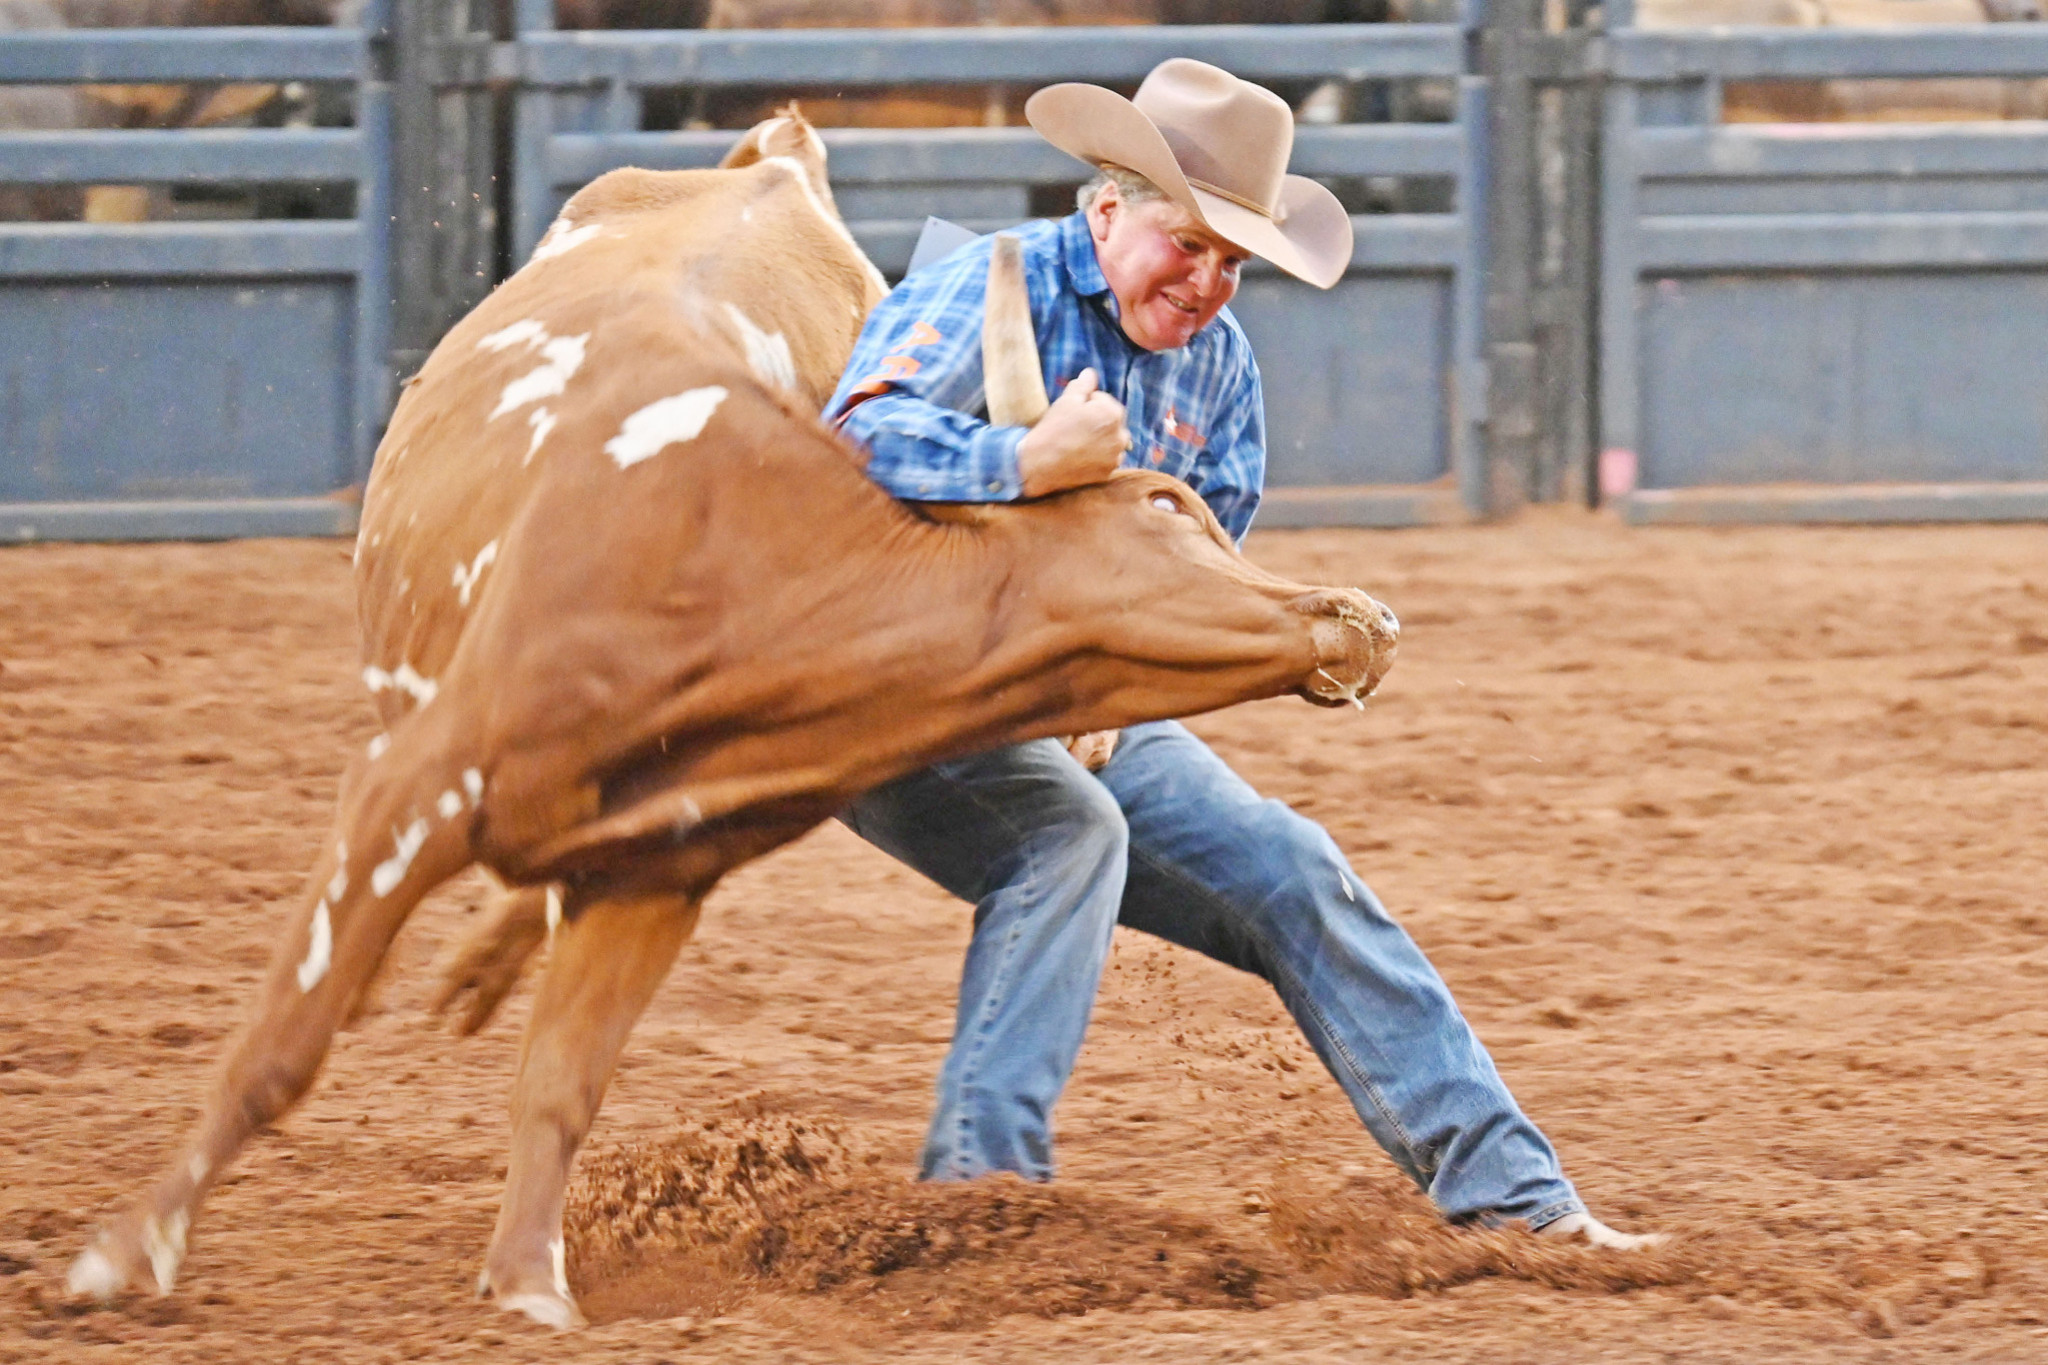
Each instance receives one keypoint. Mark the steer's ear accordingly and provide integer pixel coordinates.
(1010, 371)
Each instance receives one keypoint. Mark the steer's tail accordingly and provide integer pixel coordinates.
(487, 964)
(405, 824)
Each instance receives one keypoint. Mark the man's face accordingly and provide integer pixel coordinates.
(1170, 274)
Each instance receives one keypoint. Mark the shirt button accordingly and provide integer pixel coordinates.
(995, 486)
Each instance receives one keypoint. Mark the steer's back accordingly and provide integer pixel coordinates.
(649, 285)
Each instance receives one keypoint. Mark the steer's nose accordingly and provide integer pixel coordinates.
(1354, 639)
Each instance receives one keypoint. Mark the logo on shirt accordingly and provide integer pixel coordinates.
(923, 334)
(1181, 431)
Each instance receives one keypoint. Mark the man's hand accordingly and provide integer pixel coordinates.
(1080, 440)
(1093, 749)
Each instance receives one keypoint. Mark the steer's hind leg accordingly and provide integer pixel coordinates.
(606, 963)
(401, 831)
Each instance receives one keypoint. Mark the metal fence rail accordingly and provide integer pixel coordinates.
(1821, 321)
(201, 379)
(1371, 388)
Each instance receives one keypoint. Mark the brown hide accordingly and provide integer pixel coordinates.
(1855, 101)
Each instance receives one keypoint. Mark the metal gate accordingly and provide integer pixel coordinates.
(1822, 321)
(194, 380)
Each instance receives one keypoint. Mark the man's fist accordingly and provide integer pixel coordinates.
(1093, 749)
(1080, 440)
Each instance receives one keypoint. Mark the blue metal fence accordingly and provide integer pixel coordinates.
(195, 379)
(1817, 322)
(1821, 321)
(1371, 388)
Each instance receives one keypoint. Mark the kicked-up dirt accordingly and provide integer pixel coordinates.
(1729, 842)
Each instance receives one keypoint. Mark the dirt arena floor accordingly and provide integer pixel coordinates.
(1730, 843)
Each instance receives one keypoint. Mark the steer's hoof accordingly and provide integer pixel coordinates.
(548, 1304)
(545, 1307)
(1584, 1227)
(120, 1259)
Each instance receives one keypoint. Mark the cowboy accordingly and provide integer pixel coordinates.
(1128, 300)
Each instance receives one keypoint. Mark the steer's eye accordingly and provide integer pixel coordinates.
(1165, 503)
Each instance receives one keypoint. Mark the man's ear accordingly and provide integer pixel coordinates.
(1102, 209)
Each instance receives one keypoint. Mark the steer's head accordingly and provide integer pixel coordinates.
(1136, 576)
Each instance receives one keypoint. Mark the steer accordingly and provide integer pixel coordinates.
(634, 616)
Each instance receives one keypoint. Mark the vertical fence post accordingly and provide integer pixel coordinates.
(445, 202)
(1618, 437)
(1512, 406)
(532, 193)
(1566, 270)
(373, 368)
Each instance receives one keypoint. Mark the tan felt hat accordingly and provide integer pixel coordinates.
(1218, 147)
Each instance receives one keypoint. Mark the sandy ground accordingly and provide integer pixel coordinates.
(1729, 843)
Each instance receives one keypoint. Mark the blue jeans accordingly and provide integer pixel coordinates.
(1168, 840)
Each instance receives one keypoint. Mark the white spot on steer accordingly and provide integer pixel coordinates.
(663, 423)
(392, 870)
(561, 357)
(165, 1244)
(832, 220)
(319, 949)
(558, 1254)
(466, 575)
(767, 352)
(421, 690)
(562, 236)
(379, 746)
(93, 1275)
(473, 783)
(526, 330)
(196, 1168)
(554, 909)
(338, 883)
(542, 421)
(450, 804)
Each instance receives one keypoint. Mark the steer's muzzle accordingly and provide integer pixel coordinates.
(1354, 639)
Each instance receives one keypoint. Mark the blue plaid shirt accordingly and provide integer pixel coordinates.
(912, 392)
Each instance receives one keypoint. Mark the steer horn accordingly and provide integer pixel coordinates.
(1009, 349)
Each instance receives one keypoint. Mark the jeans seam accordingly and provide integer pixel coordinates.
(1351, 1063)
(998, 981)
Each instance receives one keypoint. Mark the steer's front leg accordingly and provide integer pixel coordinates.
(608, 959)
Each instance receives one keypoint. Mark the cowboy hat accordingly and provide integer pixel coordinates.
(1215, 145)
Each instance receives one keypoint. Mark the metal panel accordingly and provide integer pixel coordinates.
(172, 250)
(1742, 54)
(1820, 241)
(1886, 195)
(176, 519)
(158, 389)
(1844, 149)
(1355, 385)
(1802, 505)
(977, 56)
(861, 156)
(194, 156)
(1845, 378)
(183, 54)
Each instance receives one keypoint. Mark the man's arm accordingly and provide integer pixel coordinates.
(1231, 473)
(915, 380)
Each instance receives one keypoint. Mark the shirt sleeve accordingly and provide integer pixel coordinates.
(912, 391)
(1231, 475)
